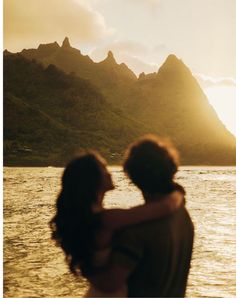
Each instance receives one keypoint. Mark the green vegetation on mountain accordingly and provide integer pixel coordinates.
(105, 106)
(49, 115)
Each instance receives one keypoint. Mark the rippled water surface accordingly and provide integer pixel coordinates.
(34, 267)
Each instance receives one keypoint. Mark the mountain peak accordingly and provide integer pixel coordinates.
(110, 57)
(6, 52)
(110, 54)
(172, 59)
(66, 43)
(173, 65)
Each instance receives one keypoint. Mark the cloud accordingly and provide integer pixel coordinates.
(119, 48)
(148, 3)
(208, 81)
(137, 65)
(137, 56)
(29, 22)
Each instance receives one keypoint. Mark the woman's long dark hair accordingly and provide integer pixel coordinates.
(74, 224)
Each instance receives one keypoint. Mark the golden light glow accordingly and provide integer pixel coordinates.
(223, 100)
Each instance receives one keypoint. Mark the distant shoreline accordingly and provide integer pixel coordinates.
(116, 164)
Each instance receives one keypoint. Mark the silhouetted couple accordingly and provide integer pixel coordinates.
(143, 251)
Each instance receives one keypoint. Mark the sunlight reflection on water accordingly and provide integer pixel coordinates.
(34, 267)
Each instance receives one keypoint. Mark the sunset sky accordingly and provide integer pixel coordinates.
(141, 33)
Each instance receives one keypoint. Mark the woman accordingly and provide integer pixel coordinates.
(83, 228)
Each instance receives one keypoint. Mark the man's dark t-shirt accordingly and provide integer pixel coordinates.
(158, 253)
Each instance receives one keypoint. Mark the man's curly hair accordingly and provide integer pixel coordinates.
(151, 164)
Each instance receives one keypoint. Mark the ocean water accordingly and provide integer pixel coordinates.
(35, 267)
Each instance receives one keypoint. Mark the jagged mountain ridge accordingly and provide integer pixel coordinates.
(170, 102)
(54, 114)
(113, 79)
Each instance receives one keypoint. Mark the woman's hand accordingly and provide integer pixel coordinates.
(174, 200)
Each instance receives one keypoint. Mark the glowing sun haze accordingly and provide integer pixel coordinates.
(223, 99)
(141, 33)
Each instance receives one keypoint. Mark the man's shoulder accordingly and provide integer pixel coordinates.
(143, 228)
(159, 224)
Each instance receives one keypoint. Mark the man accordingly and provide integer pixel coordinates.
(153, 258)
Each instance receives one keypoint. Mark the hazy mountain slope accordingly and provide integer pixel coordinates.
(174, 104)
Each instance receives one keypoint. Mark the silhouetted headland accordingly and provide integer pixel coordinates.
(62, 101)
